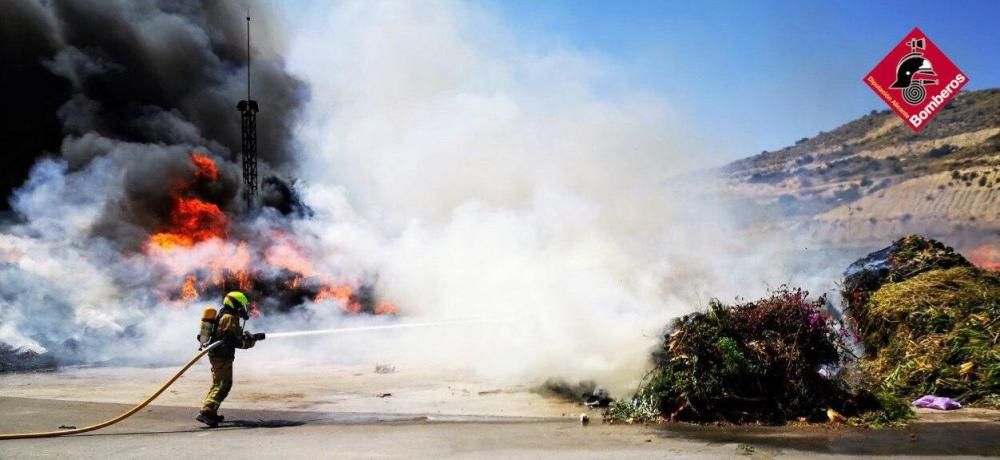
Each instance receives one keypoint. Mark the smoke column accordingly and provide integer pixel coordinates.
(144, 82)
(485, 175)
(110, 99)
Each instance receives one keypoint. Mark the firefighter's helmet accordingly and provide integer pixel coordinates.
(239, 303)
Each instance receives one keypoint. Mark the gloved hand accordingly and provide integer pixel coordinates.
(250, 339)
(256, 337)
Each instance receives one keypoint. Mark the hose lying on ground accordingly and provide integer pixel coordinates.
(52, 434)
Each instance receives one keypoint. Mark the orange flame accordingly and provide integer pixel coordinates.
(343, 294)
(218, 263)
(295, 282)
(188, 290)
(170, 240)
(986, 256)
(386, 308)
(232, 264)
(191, 219)
(285, 254)
(349, 301)
(206, 167)
(243, 281)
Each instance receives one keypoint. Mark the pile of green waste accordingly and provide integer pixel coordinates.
(753, 362)
(929, 321)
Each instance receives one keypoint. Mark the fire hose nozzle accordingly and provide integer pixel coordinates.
(255, 337)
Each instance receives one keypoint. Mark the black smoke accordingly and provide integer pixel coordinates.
(144, 82)
(31, 93)
(282, 196)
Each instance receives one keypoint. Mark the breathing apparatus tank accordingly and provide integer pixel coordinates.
(207, 327)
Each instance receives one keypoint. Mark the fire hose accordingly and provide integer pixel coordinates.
(131, 412)
(199, 355)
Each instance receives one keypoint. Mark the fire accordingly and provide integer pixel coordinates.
(188, 291)
(295, 282)
(206, 168)
(231, 261)
(343, 294)
(386, 308)
(986, 256)
(193, 220)
(170, 240)
(350, 302)
(195, 248)
(285, 254)
(243, 281)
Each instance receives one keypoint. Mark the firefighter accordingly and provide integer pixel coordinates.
(228, 330)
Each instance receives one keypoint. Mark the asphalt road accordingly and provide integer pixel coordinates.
(171, 432)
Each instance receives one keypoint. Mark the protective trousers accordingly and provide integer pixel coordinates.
(222, 382)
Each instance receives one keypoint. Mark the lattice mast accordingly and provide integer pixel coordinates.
(248, 128)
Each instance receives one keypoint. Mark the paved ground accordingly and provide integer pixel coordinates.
(170, 432)
(352, 411)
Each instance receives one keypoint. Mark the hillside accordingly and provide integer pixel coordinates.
(873, 179)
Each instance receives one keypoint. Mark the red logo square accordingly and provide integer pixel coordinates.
(916, 79)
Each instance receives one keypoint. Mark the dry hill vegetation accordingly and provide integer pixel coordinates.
(874, 179)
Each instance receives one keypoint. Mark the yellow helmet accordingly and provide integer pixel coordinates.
(239, 303)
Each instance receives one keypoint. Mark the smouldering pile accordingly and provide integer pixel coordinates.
(750, 362)
(929, 321)
(19, 359)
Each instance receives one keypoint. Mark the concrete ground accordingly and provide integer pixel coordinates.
(354, 412)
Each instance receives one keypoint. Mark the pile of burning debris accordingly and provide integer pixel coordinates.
(750, 362)
(21, 359)
(194, 249)
(929, 321)
(202, 257)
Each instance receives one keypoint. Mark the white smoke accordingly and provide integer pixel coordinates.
(54, 285)
(488, 177)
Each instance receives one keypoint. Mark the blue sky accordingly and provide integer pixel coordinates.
(763, 73)
(766, 72)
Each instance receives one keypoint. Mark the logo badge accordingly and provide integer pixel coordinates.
(916, 79)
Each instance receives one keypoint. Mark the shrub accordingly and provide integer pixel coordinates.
(750, 362)
(928, 321)
(941, 151)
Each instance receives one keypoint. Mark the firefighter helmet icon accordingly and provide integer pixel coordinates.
(911, 73)
(916, 79)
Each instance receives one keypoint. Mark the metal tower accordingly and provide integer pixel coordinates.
(248, 128)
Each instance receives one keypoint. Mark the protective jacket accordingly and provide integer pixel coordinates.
(228, 330)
